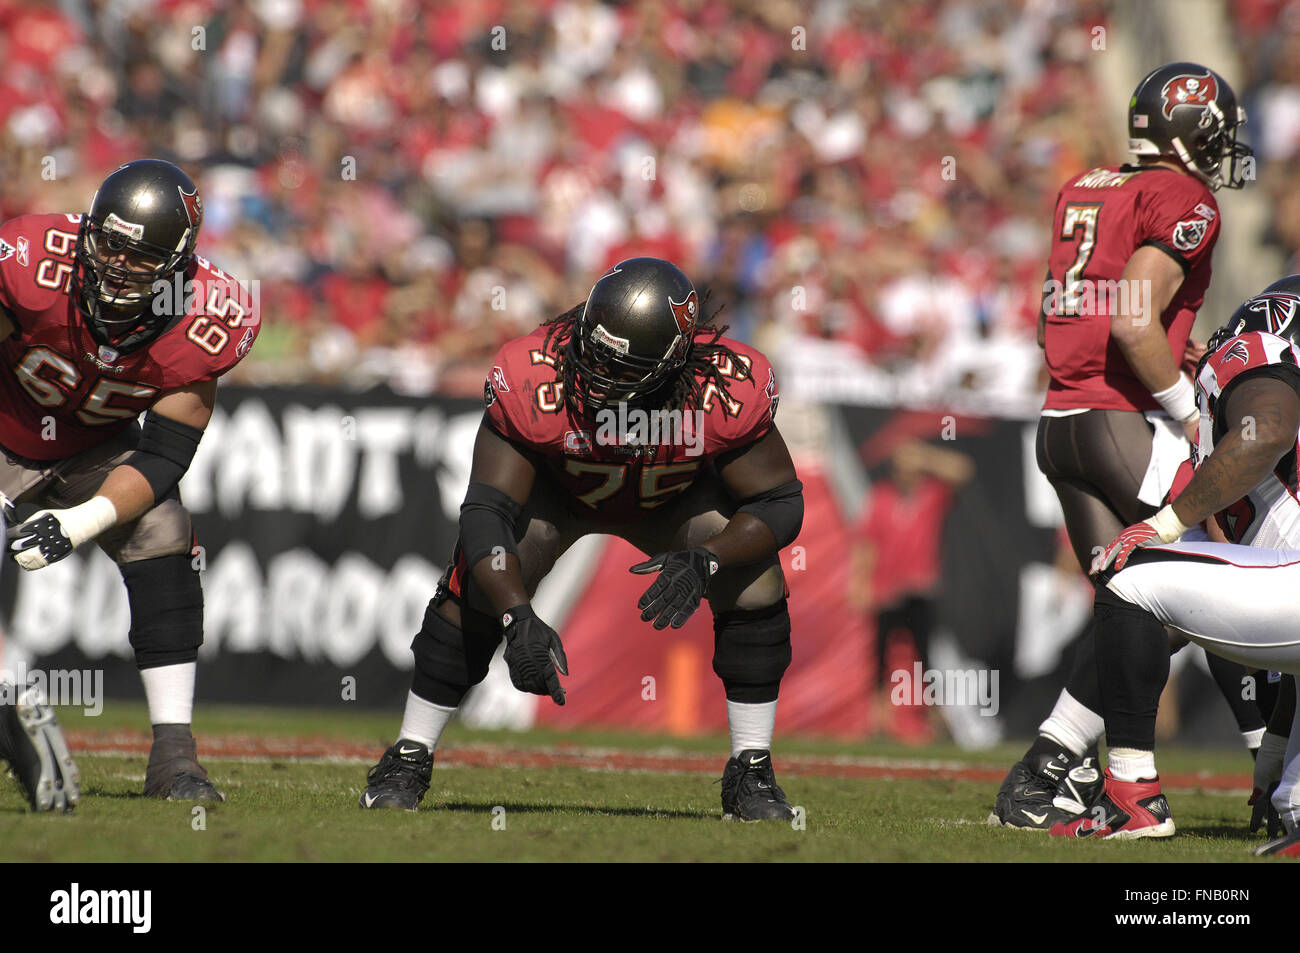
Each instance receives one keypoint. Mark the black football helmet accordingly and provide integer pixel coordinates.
(633, 335)
(1276, 310)
(142, 227)
(1191, 113)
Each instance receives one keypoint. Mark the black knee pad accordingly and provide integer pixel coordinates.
(751, 651)
(166, 600)
(451, 659)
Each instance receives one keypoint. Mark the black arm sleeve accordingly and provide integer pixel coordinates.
(781, 508)
(1284, 710)
(166, 448)
(487, 521)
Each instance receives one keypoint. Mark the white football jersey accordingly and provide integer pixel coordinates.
(1269, 515)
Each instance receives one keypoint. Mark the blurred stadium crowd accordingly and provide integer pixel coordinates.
(413, 183)
(1267, 33)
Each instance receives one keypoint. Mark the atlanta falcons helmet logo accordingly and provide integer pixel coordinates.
(1188, 90)
(1277, 307)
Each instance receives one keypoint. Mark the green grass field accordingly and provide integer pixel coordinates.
(287, 809)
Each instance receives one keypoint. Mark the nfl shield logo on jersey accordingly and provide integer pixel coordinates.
(107, 354)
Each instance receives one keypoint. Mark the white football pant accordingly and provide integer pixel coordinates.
(1236, 601)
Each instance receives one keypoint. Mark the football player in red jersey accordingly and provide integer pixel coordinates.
(1129, 266)
(618, 417)
(1235, 598)
(103, 317)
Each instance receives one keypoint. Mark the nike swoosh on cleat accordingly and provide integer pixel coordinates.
(758, 760)
(407, 750)
(370, 801)
(1036, 818)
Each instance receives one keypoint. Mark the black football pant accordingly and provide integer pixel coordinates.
(1096, 462)
(751, 624)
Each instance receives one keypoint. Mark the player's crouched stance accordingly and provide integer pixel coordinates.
(1236, 599)
(713, 500)
(104, 317)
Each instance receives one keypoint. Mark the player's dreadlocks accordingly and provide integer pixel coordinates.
(685, 391)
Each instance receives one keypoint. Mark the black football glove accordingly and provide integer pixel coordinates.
(1268, 773)
(683, 581)
(533, 654)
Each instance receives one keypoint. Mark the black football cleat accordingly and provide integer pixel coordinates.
(750, 791)
(1037, 792)
(400, 779)
(1081, 786)
(30, 740)
(174, 772)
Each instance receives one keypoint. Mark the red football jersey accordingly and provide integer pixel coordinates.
(612, 475)
(1269, 515)
(61, 392)
(1102, 218)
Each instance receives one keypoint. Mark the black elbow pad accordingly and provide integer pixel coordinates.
(487, 521)
(781, 508)
(164, 453)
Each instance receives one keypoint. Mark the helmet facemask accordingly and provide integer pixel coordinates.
(1214, 148)
(115, 281)
(601, 373)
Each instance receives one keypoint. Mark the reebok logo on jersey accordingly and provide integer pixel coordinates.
(22, 250)
(499, 379)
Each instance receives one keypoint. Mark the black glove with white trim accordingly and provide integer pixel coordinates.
(533, 654)
(683, 581)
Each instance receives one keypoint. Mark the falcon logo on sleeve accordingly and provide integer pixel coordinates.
(1238, 352)
(1278, 309)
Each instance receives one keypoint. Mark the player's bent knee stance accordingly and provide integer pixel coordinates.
(751, 651)
(451, 659)
(166, 600)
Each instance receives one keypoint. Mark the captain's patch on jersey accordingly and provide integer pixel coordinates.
(5, 249)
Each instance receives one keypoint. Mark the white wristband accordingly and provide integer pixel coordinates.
(88, 520)
(1167, 525)
(1179, 400)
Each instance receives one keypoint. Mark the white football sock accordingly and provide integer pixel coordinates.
(1131, 764)
(169, 691)
(423, 721)
(1072, 725)
(751, 725)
